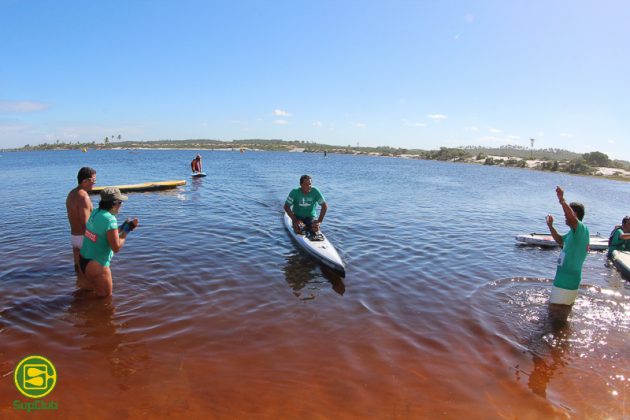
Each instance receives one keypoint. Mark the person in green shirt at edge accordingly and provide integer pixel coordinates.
(300, 206)
(574, 249)
(102, 239)
(620, 237)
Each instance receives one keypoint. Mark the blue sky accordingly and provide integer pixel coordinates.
(412, 74)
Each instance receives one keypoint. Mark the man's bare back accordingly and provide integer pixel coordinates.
(79, 207)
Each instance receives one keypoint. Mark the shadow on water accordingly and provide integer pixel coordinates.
(301, 273)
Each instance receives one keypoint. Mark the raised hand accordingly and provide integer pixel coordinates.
(560, 194)
(549, 220)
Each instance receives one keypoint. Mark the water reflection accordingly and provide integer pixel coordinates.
(548, 346)
(94, 318)
(98, 328)
(559, 341)
(196, 182)
(303, 272)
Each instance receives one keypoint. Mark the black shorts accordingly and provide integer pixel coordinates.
(83, 262)
(308, 222)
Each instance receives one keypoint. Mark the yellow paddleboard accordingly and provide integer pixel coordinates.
(147, 186)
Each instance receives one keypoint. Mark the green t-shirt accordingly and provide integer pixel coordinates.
(618, 244)
(303, 205)
(95, 245)
(569, 271)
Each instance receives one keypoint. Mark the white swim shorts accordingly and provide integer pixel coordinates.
(77, 241)
(562, 296)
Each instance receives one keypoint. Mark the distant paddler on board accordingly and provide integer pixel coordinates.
(195, 165)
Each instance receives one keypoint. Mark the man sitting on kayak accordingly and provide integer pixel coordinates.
(620, 237)
(300, 206)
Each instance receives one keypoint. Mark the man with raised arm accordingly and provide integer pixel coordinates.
(79, 207)
(574, 249)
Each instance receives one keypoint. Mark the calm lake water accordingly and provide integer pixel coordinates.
(217, 313)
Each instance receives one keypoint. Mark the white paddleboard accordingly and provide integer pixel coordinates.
(198, 174)
(324, 251)
(622, 262)
(596, 243)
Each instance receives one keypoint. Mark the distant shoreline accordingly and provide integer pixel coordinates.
(457, 155)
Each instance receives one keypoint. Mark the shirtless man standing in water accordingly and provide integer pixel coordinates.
(79, 207)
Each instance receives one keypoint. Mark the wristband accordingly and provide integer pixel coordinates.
(126, 226)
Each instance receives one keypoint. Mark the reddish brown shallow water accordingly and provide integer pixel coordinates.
(216, 315)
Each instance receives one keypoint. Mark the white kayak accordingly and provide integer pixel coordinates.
(622, 262)
(324, 251)
(596, 243)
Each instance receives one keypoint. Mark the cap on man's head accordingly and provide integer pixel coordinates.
(625, 220)
(198, 157)
(112, 194)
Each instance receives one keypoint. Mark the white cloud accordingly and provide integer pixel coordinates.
(22, 106)
(494, 130)
(281, 122)
(566, 135)
(318, 124)
(281, 113)
(437, 117)
(456, 37)
(469, 17)
(471, 128)
(611, 142)
(413, 124)
(514, 137)
(360, 125)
